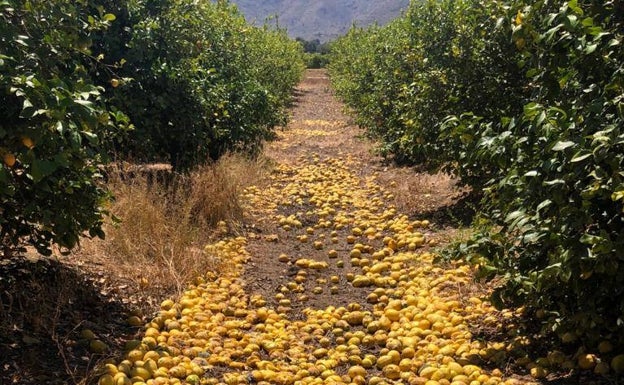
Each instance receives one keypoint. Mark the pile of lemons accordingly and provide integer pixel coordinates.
(412, 327)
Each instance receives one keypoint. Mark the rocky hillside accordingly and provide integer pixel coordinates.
(321, 19)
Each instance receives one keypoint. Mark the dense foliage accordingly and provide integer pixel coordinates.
(203, 81)
(192, 79)
(54, 122)
(523, 100)
(316, 53)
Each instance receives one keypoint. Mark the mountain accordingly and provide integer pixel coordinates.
(321, 19)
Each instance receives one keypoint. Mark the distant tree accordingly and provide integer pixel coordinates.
(313, 46)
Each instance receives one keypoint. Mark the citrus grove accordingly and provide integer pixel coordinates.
(358, 297)
(326, 279)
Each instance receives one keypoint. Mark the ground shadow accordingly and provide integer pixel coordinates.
(298, 96)
(44, 307)
(461, 213)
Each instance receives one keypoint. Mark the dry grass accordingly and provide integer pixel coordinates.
(416, 192)
(435, 197)
(166, 222)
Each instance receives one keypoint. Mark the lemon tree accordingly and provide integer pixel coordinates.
(559, 198)
(522, 101)
(200, 81)
(54, 126)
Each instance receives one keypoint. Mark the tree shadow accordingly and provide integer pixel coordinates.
(298, 96)
(45, 306)
(460, 213)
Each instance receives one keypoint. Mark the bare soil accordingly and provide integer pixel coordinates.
(321, 128)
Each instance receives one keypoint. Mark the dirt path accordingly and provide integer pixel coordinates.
(322, 151)
(333, 283)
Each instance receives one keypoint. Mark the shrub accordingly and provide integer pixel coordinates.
(559, 201)
(442, 58)
(316, 60)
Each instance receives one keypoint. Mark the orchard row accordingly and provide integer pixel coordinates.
(522, 101)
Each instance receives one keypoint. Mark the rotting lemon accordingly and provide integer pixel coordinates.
(617, 364)
(9, 159)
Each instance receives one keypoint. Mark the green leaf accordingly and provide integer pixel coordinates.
(544, 204)
(532, 108)
(551, 33)
(617, 196)
(4, 175)
(554, 182)
(540, 118)
(560, 146)
(21, 40)
(514, 215)
(61, 160)
(86, 103)
(531, 237)
(589, 239)
(587, 22)
(59, 127)
(91, 137)
(41, 169)
(75, 139)
(109, 17)
(573, 4)
(28, 110)
(580, 156)
(591, 48)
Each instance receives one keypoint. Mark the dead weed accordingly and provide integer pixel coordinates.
(164, 223)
